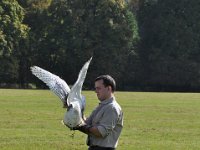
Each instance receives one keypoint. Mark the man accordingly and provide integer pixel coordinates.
(105, 123)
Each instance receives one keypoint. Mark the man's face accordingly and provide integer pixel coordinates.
(102, 91)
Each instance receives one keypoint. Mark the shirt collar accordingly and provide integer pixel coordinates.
(107, 101)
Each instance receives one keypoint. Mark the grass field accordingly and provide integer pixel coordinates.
(30, 120)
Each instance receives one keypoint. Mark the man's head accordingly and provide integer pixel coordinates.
(104, 87)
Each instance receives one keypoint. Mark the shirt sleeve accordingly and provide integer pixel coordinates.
(108, 121)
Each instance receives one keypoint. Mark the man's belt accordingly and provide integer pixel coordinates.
(100, 148)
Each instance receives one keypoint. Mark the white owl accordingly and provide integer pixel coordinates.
(71, 98)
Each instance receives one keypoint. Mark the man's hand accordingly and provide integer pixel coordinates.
(84, 128)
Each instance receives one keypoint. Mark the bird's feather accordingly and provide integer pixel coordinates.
(54, 82)
(75, 94)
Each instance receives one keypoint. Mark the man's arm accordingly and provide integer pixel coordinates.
(95, 131)
(89, 130)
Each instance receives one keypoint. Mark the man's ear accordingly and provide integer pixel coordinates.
(110, 88)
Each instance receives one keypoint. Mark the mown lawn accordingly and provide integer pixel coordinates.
(31, 120)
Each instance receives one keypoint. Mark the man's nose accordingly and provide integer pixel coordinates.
(96, 90)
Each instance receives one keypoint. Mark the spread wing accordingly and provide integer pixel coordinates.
(54, 82)
(75, 93)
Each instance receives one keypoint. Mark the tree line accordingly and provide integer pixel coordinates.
(146, 45)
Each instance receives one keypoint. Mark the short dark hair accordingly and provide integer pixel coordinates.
(107, 81)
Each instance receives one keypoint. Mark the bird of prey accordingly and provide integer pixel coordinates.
(71, 98)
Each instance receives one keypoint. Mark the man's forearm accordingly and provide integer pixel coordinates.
(85, 129)
(89, 130)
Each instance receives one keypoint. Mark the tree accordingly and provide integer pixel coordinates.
(73, 31)
(29, 48)
(115, 31)
(169, 49)
(12, 32)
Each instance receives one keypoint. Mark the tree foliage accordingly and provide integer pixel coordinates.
(76, 30)
(12, 32)
(143, 44)
(169, 49)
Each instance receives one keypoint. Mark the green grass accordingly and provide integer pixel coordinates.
(30, 120)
